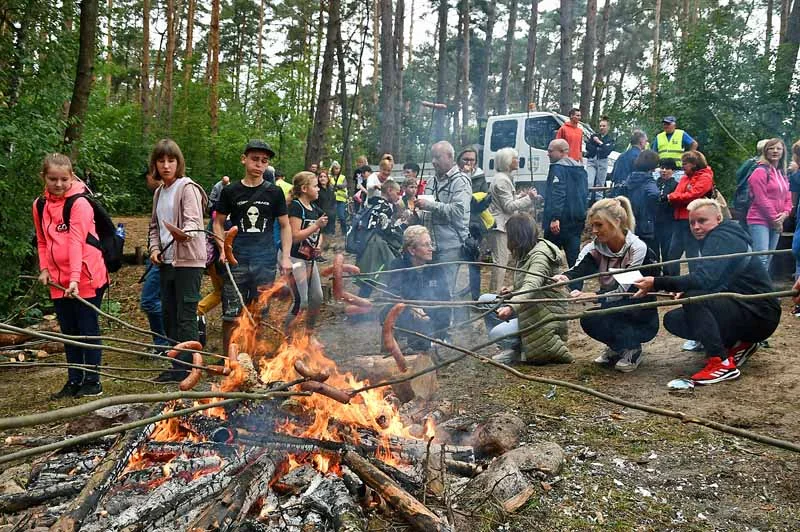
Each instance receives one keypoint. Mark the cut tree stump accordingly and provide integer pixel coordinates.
(501, 433)
(410, 509)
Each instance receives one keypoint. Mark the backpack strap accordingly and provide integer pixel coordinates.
(40, 201)
(68, 206)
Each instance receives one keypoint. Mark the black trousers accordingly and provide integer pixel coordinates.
(624, 329)
(663, 240)
(720, 323)
(569, 238)
(77, 319)
(682, 241)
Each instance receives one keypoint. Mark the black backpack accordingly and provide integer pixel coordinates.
(108, 241)
(742, 198)
(358, 234)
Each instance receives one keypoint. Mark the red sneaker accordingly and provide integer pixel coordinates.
(716, 370)
(741, 352)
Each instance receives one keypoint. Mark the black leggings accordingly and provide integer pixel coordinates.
(623, 330)
(720, 323)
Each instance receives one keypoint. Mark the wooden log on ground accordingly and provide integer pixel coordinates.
(18, 338)
(378, 368)
(410, 509)
(234, 503)
(104, 475)
(20, 501)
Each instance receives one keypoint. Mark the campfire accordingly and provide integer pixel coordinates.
(321, 459)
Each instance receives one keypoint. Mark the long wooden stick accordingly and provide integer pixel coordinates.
(126, 341)
(52, 338)
(685, 418)
(70, 412)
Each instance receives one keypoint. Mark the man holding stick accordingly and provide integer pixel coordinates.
(730, 329)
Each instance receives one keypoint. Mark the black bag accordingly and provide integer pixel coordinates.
(108, 241)
(742, 198)
(358, 234)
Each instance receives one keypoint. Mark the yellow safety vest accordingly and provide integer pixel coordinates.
(341, 194)
(672, 148)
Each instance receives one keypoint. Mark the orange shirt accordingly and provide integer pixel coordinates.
(574, 137)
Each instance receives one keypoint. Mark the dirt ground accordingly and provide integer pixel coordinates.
(625, 470)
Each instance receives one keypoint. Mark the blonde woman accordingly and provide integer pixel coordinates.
(615, 245)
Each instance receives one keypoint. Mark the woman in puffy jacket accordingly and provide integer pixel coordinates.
(698, 182)
(771, 201)
(68, 256)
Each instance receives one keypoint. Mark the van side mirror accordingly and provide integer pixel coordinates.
(522, 162)
(491, 164)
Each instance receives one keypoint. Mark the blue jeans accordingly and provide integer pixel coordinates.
(341, 214)
(764, 238)
(75, 318)
(150, 302)
(796, 244)
(497, 327)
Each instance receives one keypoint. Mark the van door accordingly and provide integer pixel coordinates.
(539, 131)
(501, 134)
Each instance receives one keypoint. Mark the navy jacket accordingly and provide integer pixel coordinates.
(566, 193)
(665, 213)
(601, 151)
(643, 193)
(624, 165)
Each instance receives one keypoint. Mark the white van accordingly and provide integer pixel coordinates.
(530, 134)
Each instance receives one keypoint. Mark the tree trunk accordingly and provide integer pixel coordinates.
(144, 96)
(787, 56)
(768, 37)
(530, 65)
(502, 99)
(317, 55)
(465, 73)
(261, 38)
(455, 105)
(589, 42)
(376, 32)
(213, 37)
(656, 56)
(618, 93)
(565, 99)
(19, 57)
(346, 116)
(109, 55)
(187, 57)
(169, 62)
(439, 114)
(387, 110)
(785, 10)
(83, 76)
(316, 141)
(399, 39)
(600, 71)
(411, 34)
(483, 85)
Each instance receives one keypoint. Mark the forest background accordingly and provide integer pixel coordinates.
(104, 79)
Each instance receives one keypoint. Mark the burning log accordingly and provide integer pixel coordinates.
(175, 467)
(331, 498)
(414, 512)
(235, 501)
(20, 501)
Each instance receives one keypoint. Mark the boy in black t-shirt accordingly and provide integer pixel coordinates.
(253, 205)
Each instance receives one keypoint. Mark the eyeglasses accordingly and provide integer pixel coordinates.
(428, 245)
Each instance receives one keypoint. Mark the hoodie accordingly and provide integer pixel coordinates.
(189, 204)
(643, 193)
(742, 275)
(565, 194)
(64, 252)
(690, 188)
(596, 257)
(769, 190)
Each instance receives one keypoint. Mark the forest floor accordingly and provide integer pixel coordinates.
(625, 470)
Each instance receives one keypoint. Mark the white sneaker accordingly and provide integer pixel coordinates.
(608, 357)
(692, 345)
(630, 360)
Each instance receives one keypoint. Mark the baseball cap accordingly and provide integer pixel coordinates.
(260, 145)
(669, 120)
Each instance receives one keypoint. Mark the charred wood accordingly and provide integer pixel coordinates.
(20, 501)
(412, 511)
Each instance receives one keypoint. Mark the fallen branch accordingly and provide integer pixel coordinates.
(685, 418)
(15, 502)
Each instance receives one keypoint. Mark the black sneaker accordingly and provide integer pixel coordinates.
(171, 375)
(201, 329)
(796, 311)
(90, 390)
(69, 390)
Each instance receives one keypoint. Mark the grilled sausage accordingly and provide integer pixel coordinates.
(356, 300)
(327, 390)
(389, 342)
(194, 375)
(228, 247)
(304, 370)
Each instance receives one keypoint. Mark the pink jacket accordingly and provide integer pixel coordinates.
(190, 203)
(64, 252)
(769, 190)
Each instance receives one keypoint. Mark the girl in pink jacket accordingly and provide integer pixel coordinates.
(67, 259)
(771, 200)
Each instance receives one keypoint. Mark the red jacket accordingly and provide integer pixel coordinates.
(690, 188)
(65, 253)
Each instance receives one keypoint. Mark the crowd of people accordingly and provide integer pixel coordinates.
(659, 204)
